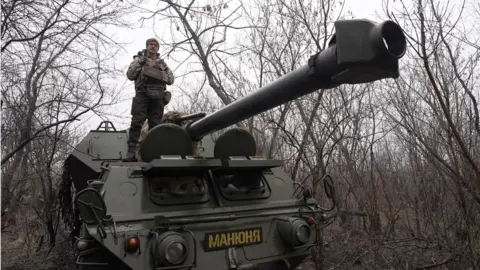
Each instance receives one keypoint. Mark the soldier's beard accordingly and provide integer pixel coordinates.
(151, 54)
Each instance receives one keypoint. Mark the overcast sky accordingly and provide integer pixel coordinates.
(136, 41)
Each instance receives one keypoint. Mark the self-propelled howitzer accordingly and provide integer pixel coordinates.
(225, 208)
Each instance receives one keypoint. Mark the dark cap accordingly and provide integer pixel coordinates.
(151, 40)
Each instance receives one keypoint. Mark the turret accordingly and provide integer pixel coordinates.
(360, 51)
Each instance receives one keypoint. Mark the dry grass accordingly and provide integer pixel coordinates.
(27, 249)
(17, 253)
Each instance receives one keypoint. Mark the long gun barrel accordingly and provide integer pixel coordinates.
(359, 52)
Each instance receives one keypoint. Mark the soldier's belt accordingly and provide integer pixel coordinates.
(153, 73)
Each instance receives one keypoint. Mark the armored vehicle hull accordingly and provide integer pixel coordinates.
(226, 213)
(219, 230)
(224, 208)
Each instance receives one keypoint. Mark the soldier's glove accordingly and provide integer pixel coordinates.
(142, 60)
(166, 97)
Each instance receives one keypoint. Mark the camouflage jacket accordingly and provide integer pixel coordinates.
(134, 72)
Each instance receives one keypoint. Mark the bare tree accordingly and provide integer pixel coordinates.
(56, 68)
(14, 31)
(199, 33)
(434, 114)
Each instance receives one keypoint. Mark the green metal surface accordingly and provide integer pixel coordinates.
(226, 208)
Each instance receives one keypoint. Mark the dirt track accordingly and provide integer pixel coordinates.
(16, 256)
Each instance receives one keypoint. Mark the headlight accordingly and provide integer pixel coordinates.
(293, 231)
(303, 233)
(170, 248)
(175, 253)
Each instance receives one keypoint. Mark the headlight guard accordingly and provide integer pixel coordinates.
(170, 248)
(293, 231)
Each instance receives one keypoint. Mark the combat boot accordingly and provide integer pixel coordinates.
(130, 155)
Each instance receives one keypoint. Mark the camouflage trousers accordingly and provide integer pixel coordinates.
(144, 107)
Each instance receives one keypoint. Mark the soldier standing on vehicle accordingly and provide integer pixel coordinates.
(151, 75)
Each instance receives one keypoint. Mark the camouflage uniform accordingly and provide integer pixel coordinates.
(143, 134)
(150, 96)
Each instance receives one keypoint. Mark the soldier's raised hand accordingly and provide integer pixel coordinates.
(142, 60)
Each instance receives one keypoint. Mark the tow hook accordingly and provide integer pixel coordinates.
(249, 266)
(233, 264)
